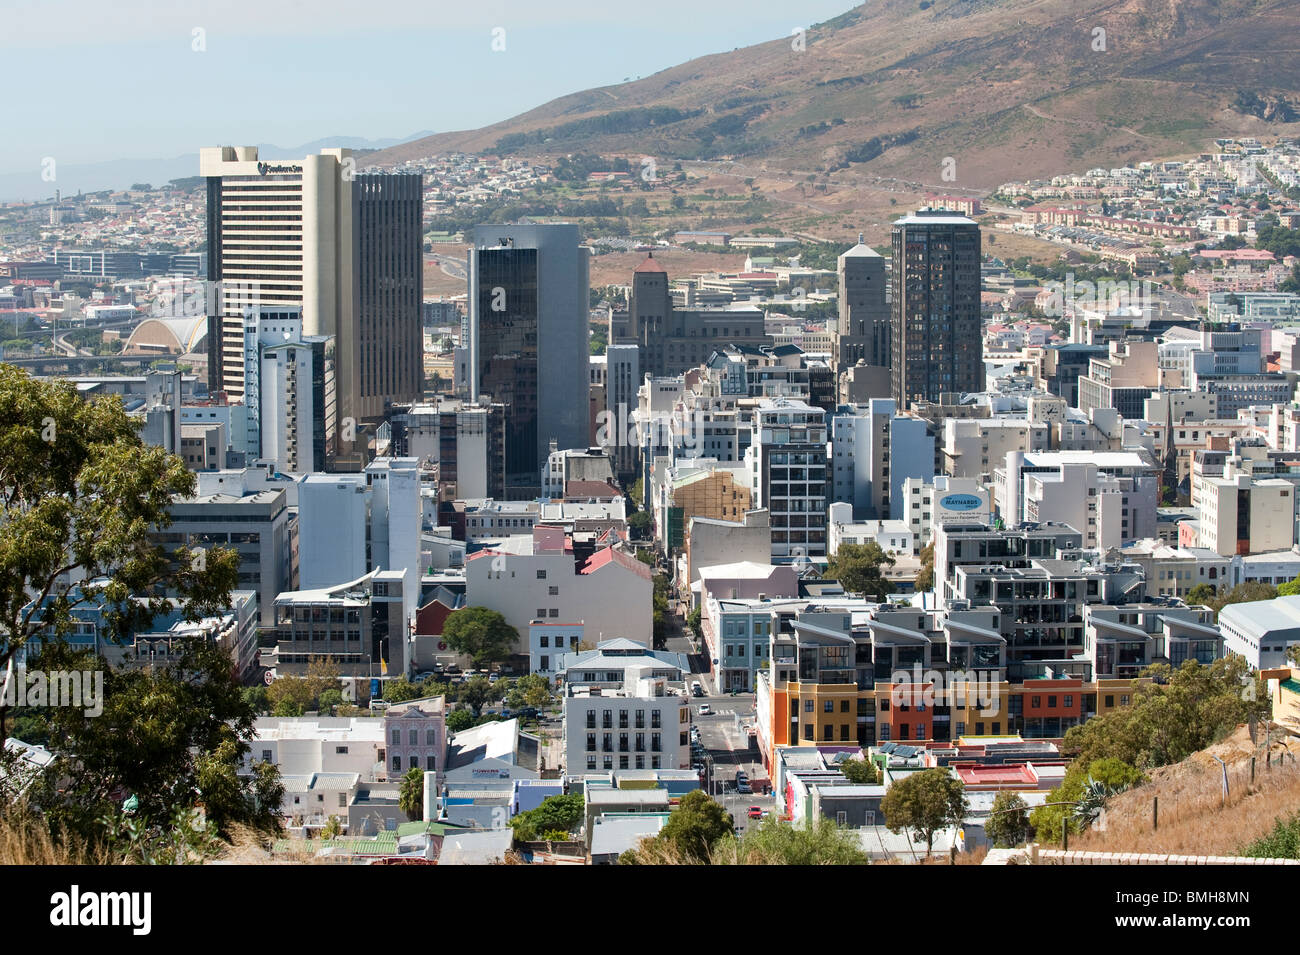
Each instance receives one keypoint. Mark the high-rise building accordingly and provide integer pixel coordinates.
(935, 300)
(671, 340)
(788, 460)
(862, 333)
(528, 317)
(342, 247)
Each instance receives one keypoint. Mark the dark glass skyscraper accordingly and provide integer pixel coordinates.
(935, 293)
(528, 340)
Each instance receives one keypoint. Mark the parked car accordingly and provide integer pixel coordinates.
(755, 812)
(696, 688)
(705, 710)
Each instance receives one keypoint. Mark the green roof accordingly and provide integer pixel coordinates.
(1291, 685)
(384, 844)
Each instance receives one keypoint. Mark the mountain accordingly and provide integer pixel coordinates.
(122, 173)
(1006, 89)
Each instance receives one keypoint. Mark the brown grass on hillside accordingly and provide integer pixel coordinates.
(25, 840)
(1194, 818)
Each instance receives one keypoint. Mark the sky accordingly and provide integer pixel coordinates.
(92, 81)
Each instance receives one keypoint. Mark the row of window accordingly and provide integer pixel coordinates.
(623, 762)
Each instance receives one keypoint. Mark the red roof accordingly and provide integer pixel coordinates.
(650, 265)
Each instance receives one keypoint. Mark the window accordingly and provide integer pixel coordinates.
(397, 737)
(844, 706)
(807, 706)
(591, 742)
(341, 750)
(1036, 702)
(397, 764)
(430, 763)
(622, 762)
(1110, 700)
(266, 755)
(591, 762)
(553, 590)
(1051, 702)
(608, 762)
(541, 575)
(555, 612)
(828, 706)
(841, 818)
(1069, 701)
(413, 737)
(544, 642)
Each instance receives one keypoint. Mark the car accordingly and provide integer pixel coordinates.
(696, 688)
(755, 812)
(492, 678)
(705, 710)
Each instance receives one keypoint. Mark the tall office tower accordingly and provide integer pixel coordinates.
(862, 333)
(788, 460)
(344, 248)
(528, 340)
(381, 351)
(622, 379)
(935, 292)
(650, 309)
(673, 340)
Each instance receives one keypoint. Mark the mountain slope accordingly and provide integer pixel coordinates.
(1004, 88)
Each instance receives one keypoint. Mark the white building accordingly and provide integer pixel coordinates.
(944, 500)
(1239, 515)
(304, 745)
(788, 458)
(548, 643)
(609, 591)
(625, 707)
(892, 536)
(1261, 630)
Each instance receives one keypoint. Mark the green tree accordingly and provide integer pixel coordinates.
(1289, 589)
(410, 795)
(1201, 594)
(1008, 824)
(925, 577)
(480, 634)
(858, 569)
(477, 691)
(774, 842)
(257, 700)
(1049, 821)
(81, 494)
(695, 826)
(554, 813)
(1249, 592)
(458, 720)
(288, 707)
(173, 736)
(530, 690)
(924, 802)
(400, 690)
(860, 771)
(329, 700)
(332, 829)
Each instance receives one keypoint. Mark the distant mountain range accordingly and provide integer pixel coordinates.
(1005, 89)
(122, 173)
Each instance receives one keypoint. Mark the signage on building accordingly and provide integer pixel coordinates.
(960, 502)
(266, 168)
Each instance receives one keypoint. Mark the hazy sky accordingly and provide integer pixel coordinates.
(94, 81)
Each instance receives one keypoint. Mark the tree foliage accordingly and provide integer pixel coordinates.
(1008, 823)
(562, 813)
(410, 795)
(858, 568)
(695, 826)
(81, 493)
(774, 842)
(925, 576)
(480, 634)
(172, 736)
(925, 802)
(860, 771)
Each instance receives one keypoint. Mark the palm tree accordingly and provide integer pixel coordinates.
(410, 798)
